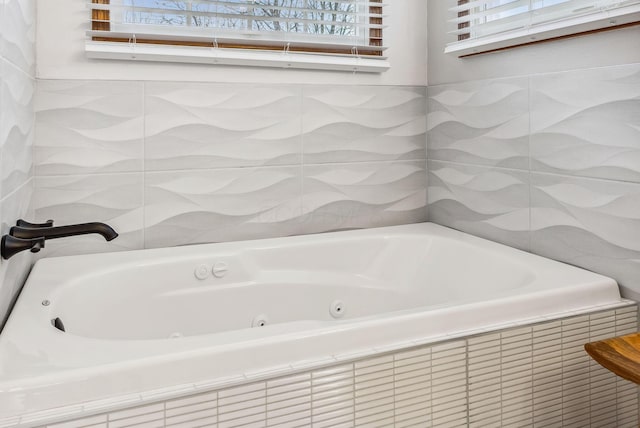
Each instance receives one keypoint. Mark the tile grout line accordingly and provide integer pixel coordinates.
(144, 165)
(530, 104)
(353, 391)
(302, 164)
(467, 383)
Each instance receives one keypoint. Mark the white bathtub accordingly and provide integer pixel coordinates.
(142, 321)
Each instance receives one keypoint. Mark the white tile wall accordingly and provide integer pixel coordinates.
(13, 272)
(530, 376)
(17, 124)
(480, 123)
(585, 123)
(587, 222)
(115, 199)
(412, 388)
(89, 127)
(17, 34)
(358, 195)
(358, 124)
(547, 374)
(227, 162)
(200, 126)
(487, 202)
(547, 163)
(199, 206)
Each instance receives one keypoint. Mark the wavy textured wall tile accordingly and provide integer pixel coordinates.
(347, 196)
(16, 127)
(187, 207)
(17, 59)
(483, 123)
(357, 124)
(488, 202)
(18, 33)
(591, 223)
(116, 199)
(203, 125)
(1, 26)
(587, 123)
(89, 127)
(13, 272)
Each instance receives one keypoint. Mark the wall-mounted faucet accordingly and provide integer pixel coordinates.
(51, 232)
(31, 236)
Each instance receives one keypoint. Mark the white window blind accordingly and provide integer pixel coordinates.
(346, 33)
(485, 25)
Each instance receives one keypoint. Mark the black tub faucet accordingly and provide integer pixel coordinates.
(31, 236)
(54, 232)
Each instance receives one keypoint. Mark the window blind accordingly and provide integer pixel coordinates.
(482, 25)
(334, 27)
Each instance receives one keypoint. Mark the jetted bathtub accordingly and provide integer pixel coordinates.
(152, 319)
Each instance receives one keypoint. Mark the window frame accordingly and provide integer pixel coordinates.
(569, 27)
(267, 52)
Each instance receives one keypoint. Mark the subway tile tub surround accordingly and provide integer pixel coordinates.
(526, 376)
(366, 314)
(547, 163)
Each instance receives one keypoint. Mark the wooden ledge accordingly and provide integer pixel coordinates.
(621, 355)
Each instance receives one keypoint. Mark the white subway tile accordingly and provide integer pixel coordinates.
(289, 414)
(481, 409)
(407, 394)
(151, 419)
(414, 419)
(209, 406)
(194, 418)
(210, 397)
(413, 371)
(283, 382)
(420, 354)
(297, 423)
(379, 420)
(527, 378)
(254, 415)
(136, 411)
(82, 423)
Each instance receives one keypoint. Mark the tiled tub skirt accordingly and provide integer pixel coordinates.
(535, 375)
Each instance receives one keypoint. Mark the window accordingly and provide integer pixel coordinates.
(487, 25)
(332, 34)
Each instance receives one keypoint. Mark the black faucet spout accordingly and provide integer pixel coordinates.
(105, 230)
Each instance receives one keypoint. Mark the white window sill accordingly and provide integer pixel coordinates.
(240, 57)
(576, 25)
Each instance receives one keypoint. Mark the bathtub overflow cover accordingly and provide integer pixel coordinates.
(337, 309)
(220, 269)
